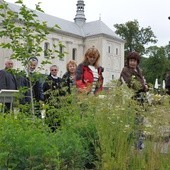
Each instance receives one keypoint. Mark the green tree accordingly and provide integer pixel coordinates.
(167, 51)
(25, 34)
(136, 38)
(156, 65)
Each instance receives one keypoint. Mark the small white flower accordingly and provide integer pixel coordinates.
(127, 126)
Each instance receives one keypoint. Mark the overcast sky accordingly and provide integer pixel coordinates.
(153, 13)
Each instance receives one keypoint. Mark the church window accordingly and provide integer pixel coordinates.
(61, 51)
(74, 53)
(109, 50)
(46, 48)
(117, 51)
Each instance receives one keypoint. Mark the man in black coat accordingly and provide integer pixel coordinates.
(30, 79)
(53, 84)
(7, 78)
(52, 88)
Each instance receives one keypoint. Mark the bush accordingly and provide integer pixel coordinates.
(98, 132)
(25, 144)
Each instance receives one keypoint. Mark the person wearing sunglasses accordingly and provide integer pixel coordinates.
(53, 84)
(53, 92)
(89, 78)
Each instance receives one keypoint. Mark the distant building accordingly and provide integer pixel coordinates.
(77, 37)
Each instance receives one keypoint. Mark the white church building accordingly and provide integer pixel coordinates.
(77, 36)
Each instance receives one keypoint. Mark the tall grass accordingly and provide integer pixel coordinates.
(95, 131)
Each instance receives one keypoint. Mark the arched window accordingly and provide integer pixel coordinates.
(74, 51)
(109, 49)
(117, 51)
(61, 51)
(46, 48)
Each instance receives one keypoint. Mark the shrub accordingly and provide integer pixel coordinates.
(26, 144)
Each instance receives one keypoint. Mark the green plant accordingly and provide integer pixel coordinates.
(25, 144)
(94, 131)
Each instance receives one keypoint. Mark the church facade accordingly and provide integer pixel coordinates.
(77, 37)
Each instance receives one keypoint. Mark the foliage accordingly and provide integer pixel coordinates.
(156, 65)
(72, 149)
(68, 113)
(95, 131)
(114, 127)
(167, 51)
(136, 38)
(25, 144)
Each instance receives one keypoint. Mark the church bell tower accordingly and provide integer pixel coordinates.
(80, 17)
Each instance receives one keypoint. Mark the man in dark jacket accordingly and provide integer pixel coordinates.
(32, 88)
(53, 84)
(52, 88)
(30, 79)
(7, 78)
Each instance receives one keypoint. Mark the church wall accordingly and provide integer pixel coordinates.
(112, 53)
(69, 42)
(113, 60)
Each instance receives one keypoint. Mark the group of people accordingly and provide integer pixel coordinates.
(10, 79)
(87, 77)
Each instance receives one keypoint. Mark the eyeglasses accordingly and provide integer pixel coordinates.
(54, 70)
